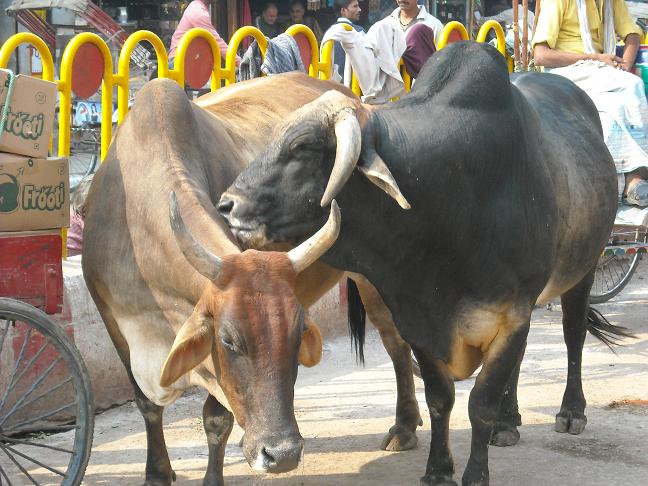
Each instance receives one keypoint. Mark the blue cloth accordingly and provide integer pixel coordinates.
(339, 56)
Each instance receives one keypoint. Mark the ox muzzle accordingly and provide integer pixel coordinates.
(274, 455)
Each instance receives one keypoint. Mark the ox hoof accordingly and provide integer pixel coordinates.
(399, 439)
(571, 422)
(160, 481)
(437, 480)
(504, 435)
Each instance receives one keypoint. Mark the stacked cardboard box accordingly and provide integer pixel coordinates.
(34, 189)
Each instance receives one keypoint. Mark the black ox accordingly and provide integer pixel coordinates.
(512, 193)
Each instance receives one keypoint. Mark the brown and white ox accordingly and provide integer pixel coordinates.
(181, 302)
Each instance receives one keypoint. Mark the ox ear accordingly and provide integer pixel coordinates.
(310, 350)
(190, 348)
(375, 169)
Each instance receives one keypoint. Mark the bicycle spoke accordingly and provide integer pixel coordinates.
(43, 416)
(45, 393)
(36, 444)
(3, 474)
(13, 374)
(31, 459)
(29, 365)
(18, 465)
(35, 385)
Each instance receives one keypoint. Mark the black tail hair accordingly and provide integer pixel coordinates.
(606, 332)
(357, 318)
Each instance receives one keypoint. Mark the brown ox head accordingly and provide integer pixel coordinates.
(249, 321)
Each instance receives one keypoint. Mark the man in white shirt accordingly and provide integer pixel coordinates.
(348, 13)
(409, 13)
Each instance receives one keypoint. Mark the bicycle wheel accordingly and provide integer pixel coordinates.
(612, 274)
(46, 408)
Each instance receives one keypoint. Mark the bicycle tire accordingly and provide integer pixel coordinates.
(54, 343)
(613, 273)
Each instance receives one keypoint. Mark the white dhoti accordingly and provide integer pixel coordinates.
(620, 99)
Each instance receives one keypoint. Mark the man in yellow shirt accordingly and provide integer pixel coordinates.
(577, 39)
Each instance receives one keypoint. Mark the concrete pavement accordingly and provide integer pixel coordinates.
(343, 411)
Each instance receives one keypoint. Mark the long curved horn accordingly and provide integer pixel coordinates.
(314, 247)
(204, 261)
(348, 135)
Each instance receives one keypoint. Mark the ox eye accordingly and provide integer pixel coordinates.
(229, 344)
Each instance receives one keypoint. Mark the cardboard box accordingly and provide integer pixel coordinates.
(34, 193)
(30, 116)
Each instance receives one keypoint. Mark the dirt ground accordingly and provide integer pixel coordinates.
(344, 410)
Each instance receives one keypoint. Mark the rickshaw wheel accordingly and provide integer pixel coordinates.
(46, 406)
(612, 274)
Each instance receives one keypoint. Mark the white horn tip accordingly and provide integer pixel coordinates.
(403, 203)
(334, 216)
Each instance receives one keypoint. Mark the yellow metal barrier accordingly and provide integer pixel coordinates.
(177, 72)
(230, 60)
(449, 28)
(122, 79)
(407, 79)
(28, 38)
(46, 56)
(499, 32)
(297, 29)
(325, 67)
(65, 87)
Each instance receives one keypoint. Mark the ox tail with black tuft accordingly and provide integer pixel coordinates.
(606, 332)
(357, 319)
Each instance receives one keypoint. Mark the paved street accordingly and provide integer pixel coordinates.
(343, 411)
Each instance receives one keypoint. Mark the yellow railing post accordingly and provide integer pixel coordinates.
(407, 79)
(46, 56)
(122, 79)
(448, 29)
(297, 29)
(178, 74)
(499, 32)
(232, 47)
(16, 40)
(326, 60)
(65, 87)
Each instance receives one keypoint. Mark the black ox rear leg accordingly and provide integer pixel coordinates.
(485, 400)
(439, 395)
(505, 432)
(218, 423)
(575, 302)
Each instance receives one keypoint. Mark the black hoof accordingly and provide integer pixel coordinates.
(160, 481)
(504, 435)
(481, 482)
(571, 422)
(399, 439)
(437, 480)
